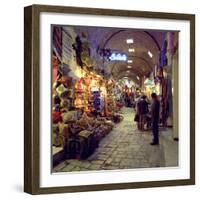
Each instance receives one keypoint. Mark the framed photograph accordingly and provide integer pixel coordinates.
(109, 99)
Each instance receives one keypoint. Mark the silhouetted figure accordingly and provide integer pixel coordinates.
(155, 111)
(142, 111)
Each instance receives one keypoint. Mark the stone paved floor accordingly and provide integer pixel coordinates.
(126, 148)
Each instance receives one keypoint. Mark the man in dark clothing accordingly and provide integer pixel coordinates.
(155, 111)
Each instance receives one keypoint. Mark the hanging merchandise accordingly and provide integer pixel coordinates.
(60, 89)
(103, 94)
(77, 46)
(82, 49)
(56, 99)
(64, 69)
(86, 59)
(79, 86)
(56, 114)
(54, 67)
(93, 84)
(65, 103)
(87, 80)
(96, 100)
(110, 98)
(66, 81)
(163, 56)
(79, 103)
(85, 54)
(81, 94)
(81, 100)
(66, 94)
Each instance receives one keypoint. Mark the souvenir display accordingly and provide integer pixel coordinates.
(96, 98)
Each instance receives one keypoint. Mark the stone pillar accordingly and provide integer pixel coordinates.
(169, 68)
(175, 95)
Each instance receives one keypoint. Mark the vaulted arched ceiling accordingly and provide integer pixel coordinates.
(115, 39)
(142, 64)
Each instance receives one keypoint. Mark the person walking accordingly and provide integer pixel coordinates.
(155, 111)
(142, 111)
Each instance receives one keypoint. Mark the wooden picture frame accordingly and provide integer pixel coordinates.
(32, 98)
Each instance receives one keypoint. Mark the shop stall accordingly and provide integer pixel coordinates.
(84, 107)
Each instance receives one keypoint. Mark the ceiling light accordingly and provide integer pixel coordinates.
(129, 66)
(129, 41)
(131, 50)
(150, 54)
(127, 71)
(130, 61)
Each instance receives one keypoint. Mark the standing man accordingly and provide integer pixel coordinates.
(155, 111)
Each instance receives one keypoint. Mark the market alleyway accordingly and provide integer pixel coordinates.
(126, 148)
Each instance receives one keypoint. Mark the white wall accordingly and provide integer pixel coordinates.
(11, 101)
